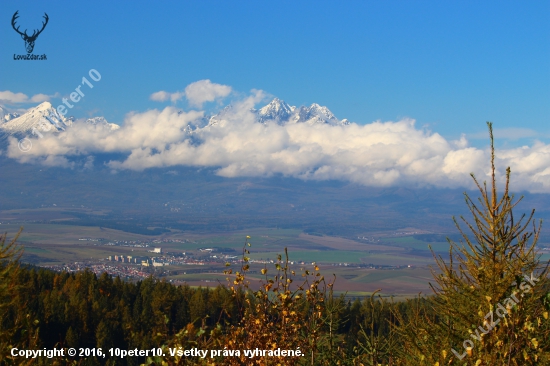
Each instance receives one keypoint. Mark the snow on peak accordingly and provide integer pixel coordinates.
(102, 122)
(316, 114)
(277, 110)
(276, 105)
(219, 118)
(10, 116)
(6, 116)
(43, 106)
(43, 118)
(280, 112)
(321, 111)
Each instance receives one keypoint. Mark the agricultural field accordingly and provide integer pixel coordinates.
(397, 263)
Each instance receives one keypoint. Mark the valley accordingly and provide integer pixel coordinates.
(397, 262)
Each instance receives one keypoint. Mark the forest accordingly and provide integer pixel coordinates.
(54, 310)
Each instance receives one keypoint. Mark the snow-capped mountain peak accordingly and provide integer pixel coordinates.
(6, 115)
(219, 117)
(101, 121)
(322, 111)
(43, 117)
(277, 110)
(44, 106)
(316, 114)
(282, 113)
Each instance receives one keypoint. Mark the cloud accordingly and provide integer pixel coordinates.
(196, 93)
(39, 98)
(12, 98)
(203, 91)
(162, 96)
(390, 153)
(9, 97)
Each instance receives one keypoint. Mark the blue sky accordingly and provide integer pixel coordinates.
(451, 65)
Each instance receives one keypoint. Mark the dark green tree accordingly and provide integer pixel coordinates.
(489, 304)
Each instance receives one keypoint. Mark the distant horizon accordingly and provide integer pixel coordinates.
(506, 137)
(311, 146)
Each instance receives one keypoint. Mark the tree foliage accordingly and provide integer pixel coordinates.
(490, 296)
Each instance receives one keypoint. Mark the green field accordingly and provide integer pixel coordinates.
(411, 242)
(49, 244)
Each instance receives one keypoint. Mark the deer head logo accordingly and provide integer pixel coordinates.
(29, 40)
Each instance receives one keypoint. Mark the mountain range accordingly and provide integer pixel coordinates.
(282, 113)
(45, 118)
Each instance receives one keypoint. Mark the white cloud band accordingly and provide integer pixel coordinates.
(375, 154)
